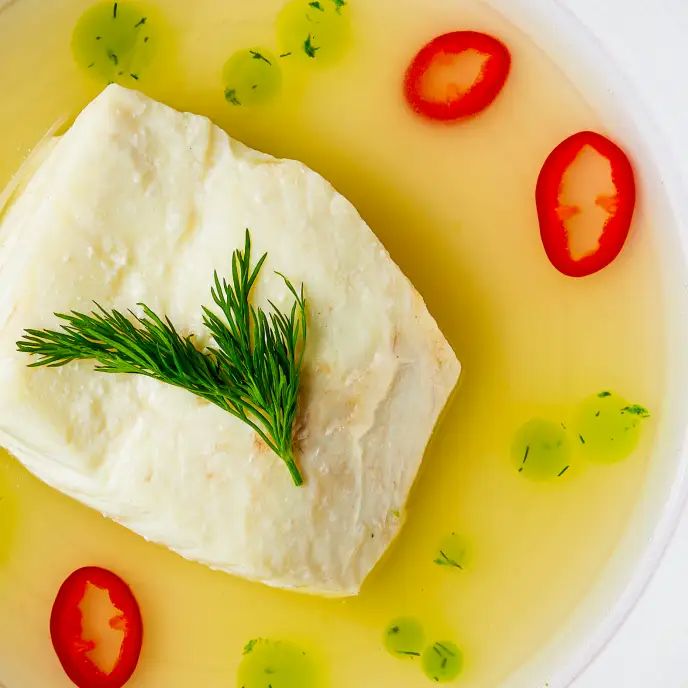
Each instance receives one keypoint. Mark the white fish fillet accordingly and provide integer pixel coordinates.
(139, 202)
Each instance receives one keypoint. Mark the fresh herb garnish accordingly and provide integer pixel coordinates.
(444, 560)
(309, 48)
(250, 645)
(604, 394)
(285, 54)
(316, 5)
(443, 648)
(252, 371)
(259, 56)
(111, 37)
(231, 96)
(273, 663)
(442, 661)
(562, 471)
(339, 4)
(135, 77)
(404, 638)
(452, 552)
(540, 448)
(251, 77)
(636, 410)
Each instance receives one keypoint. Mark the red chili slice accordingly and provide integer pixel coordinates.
(435, 83)
(558, 214)
(78, 654)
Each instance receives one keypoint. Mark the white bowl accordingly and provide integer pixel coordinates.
(587, 61)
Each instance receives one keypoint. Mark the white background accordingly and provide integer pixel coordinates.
(650, 39)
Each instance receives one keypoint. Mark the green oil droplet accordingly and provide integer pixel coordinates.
(541, 450)
(314, 30)
(251, 77)
(608, 427)
(442, 661)
(116, 42)
(275, 664)
(404, 638)
(452, 552)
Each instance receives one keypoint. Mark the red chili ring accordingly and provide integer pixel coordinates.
(455, 103)
(553, 231)
(66, 629)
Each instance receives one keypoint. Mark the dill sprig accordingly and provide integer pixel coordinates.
(442, 559)
(252, 372)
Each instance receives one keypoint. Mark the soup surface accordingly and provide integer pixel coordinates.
(500, 544)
